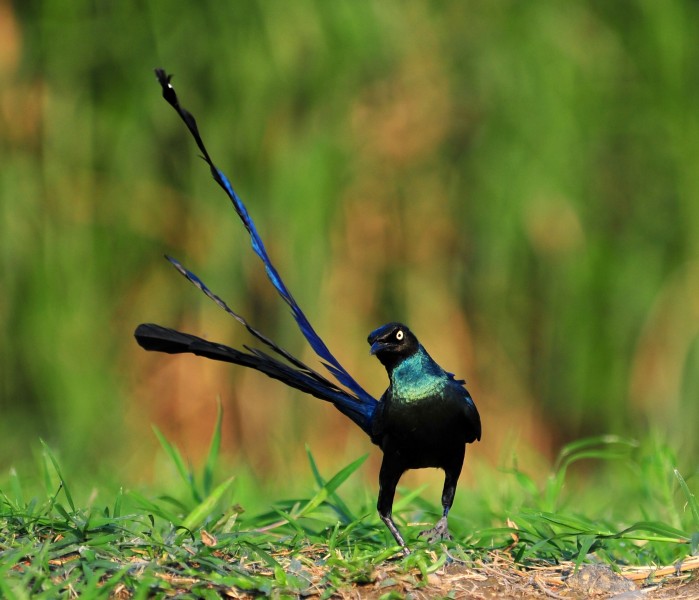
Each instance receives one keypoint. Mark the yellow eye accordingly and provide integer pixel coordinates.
(399, 335)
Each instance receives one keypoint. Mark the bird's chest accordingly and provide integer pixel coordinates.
(418, 419)
(424, 417)
(423, 425)
(425, 433)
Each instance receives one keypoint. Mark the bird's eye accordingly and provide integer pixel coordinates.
(399, 335)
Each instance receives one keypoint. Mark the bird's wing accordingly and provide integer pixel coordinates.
(329, 361)
(470, 412)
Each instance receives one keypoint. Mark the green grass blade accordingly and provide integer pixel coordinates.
(204, 509)
(174, 454)
(214, 449)
(691, 498)
(665, 533)
(16, 488)
(289, 518)
(408, 498)
(314, 467)
(337, 480)
(343, 510)
(52, 458)
(585, 543)
(612, 443)
(116, 511)
(604, 447)
(154, 508)
(573, 523)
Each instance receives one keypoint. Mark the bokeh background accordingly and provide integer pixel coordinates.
(517, 181)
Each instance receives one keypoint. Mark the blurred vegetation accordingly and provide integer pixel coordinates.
(518, 181)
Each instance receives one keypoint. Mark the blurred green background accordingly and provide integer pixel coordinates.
(517, 181)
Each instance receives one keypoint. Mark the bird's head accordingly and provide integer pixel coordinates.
(392, 343)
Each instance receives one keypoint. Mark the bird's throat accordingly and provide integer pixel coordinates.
(417, 377)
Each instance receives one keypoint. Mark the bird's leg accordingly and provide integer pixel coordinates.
(388, 520)
(441, 530)
(388, 480)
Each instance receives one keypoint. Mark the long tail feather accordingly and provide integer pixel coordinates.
(260, 336)
(330, 362)
(162, 339)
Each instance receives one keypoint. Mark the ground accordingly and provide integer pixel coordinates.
(501, 579)
(495, 577)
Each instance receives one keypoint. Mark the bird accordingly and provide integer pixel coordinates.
(425, 417)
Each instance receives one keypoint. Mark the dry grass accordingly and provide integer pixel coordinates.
(496, 576)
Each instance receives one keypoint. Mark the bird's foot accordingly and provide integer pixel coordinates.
(439, 532)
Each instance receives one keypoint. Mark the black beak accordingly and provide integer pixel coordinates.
(377, 346)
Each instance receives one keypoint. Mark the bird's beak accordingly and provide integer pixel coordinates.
(377, 346)
(378, 340)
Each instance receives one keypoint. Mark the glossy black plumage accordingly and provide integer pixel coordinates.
(425, 417)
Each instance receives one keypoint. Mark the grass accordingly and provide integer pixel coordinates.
(201, 542)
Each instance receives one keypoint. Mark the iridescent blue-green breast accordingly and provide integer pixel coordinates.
(417, 377)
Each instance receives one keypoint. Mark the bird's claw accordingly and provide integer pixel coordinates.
(439, 532)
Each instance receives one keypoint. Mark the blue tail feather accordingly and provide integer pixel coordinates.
(197, 282)
(163, 339)
(319, 347)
